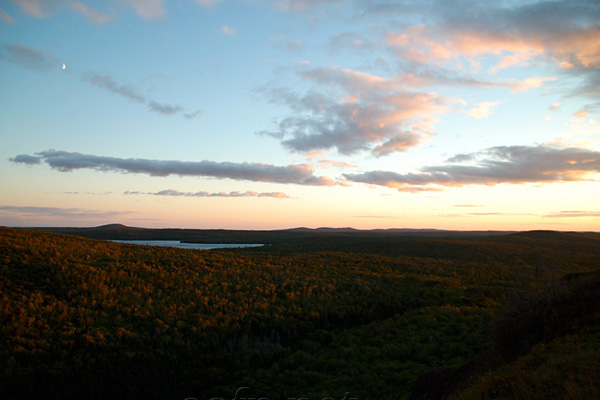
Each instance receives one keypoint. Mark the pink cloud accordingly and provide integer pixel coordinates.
(147, 9)
(4, 16)
(483, 109)
(91, 14)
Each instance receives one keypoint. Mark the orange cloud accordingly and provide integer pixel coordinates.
(532, 83)
(581, 114)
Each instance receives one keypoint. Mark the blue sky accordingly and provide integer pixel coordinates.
(278, 114)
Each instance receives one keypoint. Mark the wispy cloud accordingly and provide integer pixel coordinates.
(65, 161)
(207, 3)
(227, 30)
(503, 164)
(573, 214)
(42, 61)
(532, 83)
(351, 41)
(147, 9)
(483, 109)
(299, 5)
(165, 109)
(108, 83)
(176, 193)
(92, 14)
(129, 92)
(24, 214)
(29, 58)
(39, 8)
(4, 16)
(375, 216)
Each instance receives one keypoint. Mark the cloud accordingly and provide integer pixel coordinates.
(107, 82)
(29, 58)
(352, 111)
(335, 164)
(483, 109)
(39, 8)
(4, 16)
(503, 164)
(350, 40)
(207, 3)
(176, 193)
(259, 172)
(129, 92)
(165, 109)
(517, 59)
(375, 216)
(581, 114)
(41, 61)
(367, 114)
(147, 9)
(227, 30)
(532, 83)
(573, 214)
(299, 5)
(564, 32)
(92, 14)
(26, 213)
(26, 159)
(192, 115)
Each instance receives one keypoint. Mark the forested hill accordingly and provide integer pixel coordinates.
(323, 315)
(123, 232)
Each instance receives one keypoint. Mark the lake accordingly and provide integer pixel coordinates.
(180, 245)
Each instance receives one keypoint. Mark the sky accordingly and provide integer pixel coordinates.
(257, 114)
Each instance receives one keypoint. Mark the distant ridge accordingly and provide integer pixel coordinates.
(114, 226)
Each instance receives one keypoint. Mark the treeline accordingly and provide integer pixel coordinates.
(93, 319)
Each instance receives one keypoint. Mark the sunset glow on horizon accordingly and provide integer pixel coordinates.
(256, 114)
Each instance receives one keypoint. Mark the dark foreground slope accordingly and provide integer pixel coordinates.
(544, 345)
(89, 319)
(550, 346)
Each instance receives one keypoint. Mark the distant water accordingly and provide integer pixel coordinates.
(180, 245)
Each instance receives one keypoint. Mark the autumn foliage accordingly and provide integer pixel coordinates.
(83, 318)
